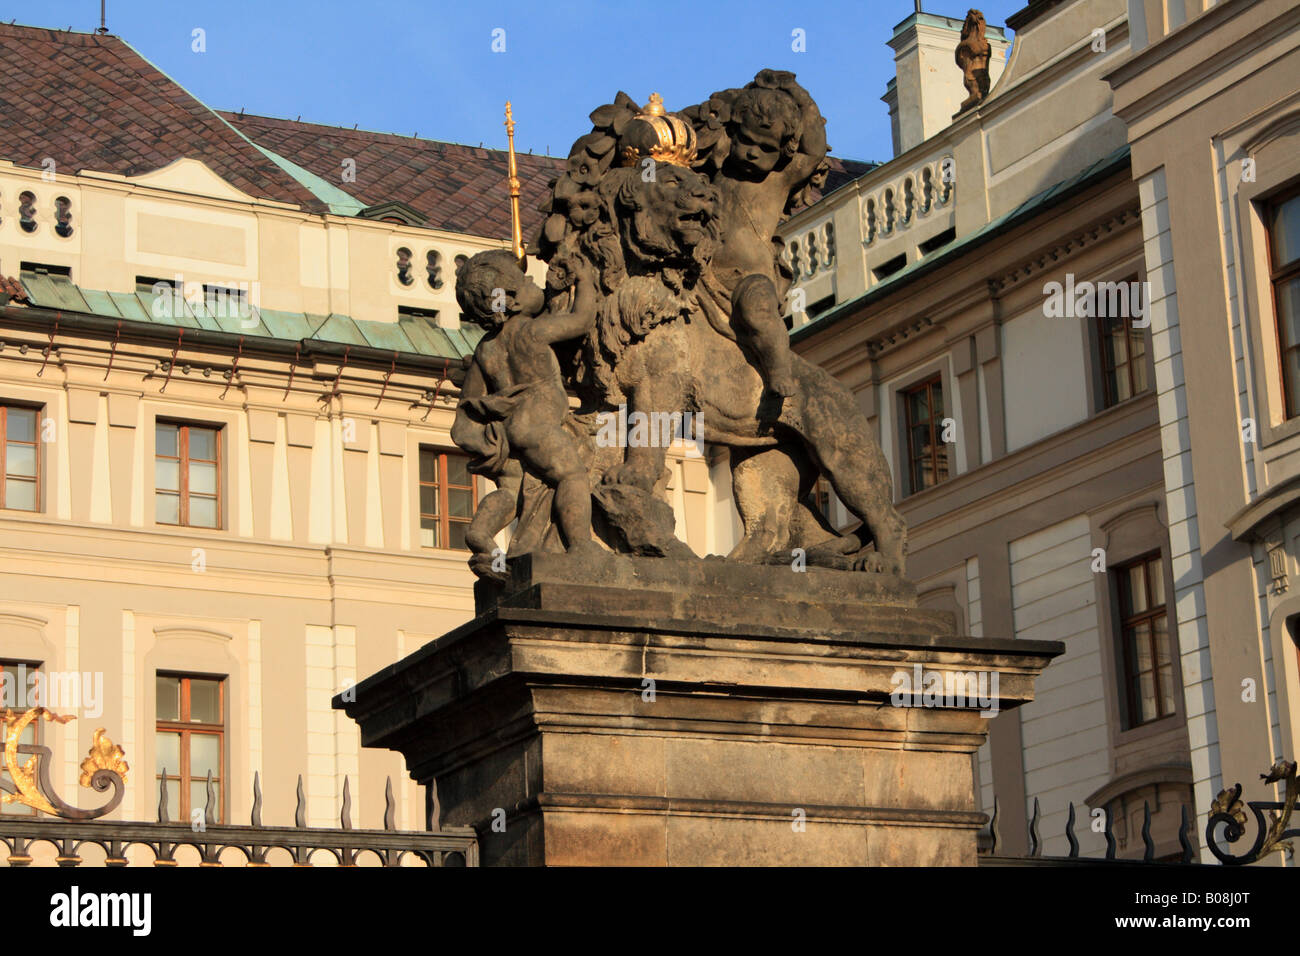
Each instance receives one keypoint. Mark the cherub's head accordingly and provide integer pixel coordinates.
(764, 129)
(491, 288)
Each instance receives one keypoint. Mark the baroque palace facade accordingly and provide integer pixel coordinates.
(229, 368)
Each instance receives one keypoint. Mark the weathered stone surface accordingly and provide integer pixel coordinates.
(610, 736)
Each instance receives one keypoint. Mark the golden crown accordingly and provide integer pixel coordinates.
(664, 137)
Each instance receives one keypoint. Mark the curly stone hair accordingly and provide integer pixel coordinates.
(477, 280)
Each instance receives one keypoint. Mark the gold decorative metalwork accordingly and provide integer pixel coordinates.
(1227, 819)
(516, 226)
(24, 775)
(104, 755)
(104, 767)
(675, 138)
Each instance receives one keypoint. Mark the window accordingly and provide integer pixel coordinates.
(1283, 218)
(927, 455)
(187, 475)
(821, 498)
(15, 690)
(447, 499)
(1123, 347)
(190, 741)
(20, 458)
(1144, 634)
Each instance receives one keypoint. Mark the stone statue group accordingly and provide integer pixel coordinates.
(665, 293)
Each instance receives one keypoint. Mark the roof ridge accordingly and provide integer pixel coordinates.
(373, 133)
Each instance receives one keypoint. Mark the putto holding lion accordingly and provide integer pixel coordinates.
(664, 224)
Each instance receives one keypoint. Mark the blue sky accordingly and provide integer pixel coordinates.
(428, 67)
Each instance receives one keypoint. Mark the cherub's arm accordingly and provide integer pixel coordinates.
(551, 327)
(465, 429)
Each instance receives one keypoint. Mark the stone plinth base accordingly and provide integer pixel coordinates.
(696, 713)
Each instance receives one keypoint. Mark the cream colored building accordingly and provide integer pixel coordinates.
(929, 296)
(303, 404)
(1210, 95)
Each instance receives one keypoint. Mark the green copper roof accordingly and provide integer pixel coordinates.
(411, 335)
(340, 202)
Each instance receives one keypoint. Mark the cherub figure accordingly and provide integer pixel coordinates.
(513, 404)
(776, 148)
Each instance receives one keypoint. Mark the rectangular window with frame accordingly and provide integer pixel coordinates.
(1144, 637)
(20, 458)
(15, 688)
(1123, 348)
(927, 454)
(190, 743)
(1282, 216)
(187, 475)
(448, 497)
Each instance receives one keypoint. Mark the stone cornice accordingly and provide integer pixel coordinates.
(1062, 251)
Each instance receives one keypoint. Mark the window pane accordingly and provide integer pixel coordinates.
(199, 796)
(460, 504)
(166, 474)
(165, 440)
(1123, 390)
(428, 532)
(1141, 638)
(21, 425)
(1147, 696)
(457, 470)
(456, 533)
(205, 755)
(1167, 690)
(173, 798)
(205, 701)
(920, 406)
(20, 494)
(1286, 232)
(1137, 590)
(203, 443)
(1139, 370)
(169, 699)
(1156, 578)
(428, 500)
(167, 508)
(203, 512)
(203, 478)
(936, 401)
(168, 752)
(428, 466)
(20, 460)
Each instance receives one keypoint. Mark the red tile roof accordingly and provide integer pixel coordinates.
(92, 102)
(457, 188)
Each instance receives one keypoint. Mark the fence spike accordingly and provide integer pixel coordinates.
(1035, 842)
(1149, 853)
(300, 814)
(1109, 834)
(993, 828)
(162, 797)
(257, 799)
(389, 809)
(1069, 833)
(210, 808)
(1185, 837)
(346, 817)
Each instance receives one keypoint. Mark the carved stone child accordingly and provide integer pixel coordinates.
(972, 56)
(513, 404)
(777, 142)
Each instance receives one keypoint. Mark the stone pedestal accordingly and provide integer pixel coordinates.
(668, 712)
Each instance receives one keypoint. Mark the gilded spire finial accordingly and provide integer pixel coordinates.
(516, 228)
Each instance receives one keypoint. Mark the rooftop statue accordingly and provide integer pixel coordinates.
(664, 266)
(972, 56)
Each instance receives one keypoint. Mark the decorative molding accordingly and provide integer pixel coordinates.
(895, 337)
(1059, 253)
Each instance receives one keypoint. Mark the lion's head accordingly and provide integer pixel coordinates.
(665, 220)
